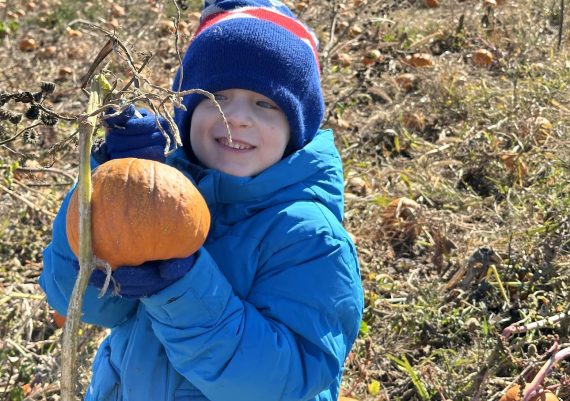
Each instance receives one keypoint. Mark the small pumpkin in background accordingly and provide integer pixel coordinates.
(514, 394)
(482, 58)
(28, 44)
(58, 319)
(141, 210)
(420, 60)
(431, 3)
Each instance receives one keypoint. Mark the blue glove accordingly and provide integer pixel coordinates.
(131, 135)
(144, 280)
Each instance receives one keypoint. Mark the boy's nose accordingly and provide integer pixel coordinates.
(238, 114)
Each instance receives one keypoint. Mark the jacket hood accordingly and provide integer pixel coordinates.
(313, 173)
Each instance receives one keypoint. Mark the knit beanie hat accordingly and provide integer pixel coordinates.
(258, 46)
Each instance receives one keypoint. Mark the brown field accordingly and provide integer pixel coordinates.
(453, 123)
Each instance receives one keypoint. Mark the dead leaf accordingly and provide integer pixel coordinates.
(537, 129)
(355, 30)
(358, 186)
(399, 221)
(166, 27)
(406, 81)
(514, 164)
(344, 59)
(73, 33)
(420, 60)
(47, 52)
(113, 23)
(414, 121)
(28, 44)
(65, 72)
(482, 58)
(372, 57)
(117, 10)
(379, 94)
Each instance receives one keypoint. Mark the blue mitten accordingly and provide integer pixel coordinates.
(144, 280)
(132, 134)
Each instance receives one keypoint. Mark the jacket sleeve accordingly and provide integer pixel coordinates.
(286, 341)
(60, 272)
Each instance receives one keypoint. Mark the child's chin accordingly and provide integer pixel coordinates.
(238, 171)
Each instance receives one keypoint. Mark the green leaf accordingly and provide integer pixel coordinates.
(364, 329)
(104, 85)
(374, 387)
(404, 365)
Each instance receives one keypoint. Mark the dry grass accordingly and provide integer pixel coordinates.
(466, 143)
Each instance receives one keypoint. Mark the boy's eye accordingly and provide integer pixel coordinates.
(219, 97)
(266, 105)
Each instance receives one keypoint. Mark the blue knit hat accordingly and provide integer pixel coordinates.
(259, 46)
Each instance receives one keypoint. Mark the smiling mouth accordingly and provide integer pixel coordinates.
(234, 144)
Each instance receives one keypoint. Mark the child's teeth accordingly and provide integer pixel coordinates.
(233, 145)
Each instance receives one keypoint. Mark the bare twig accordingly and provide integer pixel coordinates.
(19, 133)
(47, 171)
(53, 113)
(173, 97)
(330, 44)
(139, 70)
(26, 201)
(534, 386)
(561, 24)
(513, 329)
(177, 45)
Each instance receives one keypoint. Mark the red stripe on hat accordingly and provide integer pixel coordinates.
(288, 23)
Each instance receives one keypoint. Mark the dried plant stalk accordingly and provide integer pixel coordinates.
(87, 125)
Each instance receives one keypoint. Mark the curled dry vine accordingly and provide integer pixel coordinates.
(105, 94)
(102, 97)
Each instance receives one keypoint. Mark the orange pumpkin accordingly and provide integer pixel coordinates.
(482, 58)
(513, 394)
(420, 60)
(58, 319)
(141, 210)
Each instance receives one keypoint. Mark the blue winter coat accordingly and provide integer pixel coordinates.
(269, 311)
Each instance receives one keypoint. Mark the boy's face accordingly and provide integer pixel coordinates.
(260, 133)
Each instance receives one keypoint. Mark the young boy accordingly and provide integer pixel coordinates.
(270, 306)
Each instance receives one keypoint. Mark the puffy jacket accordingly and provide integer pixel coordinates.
(269, 311)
